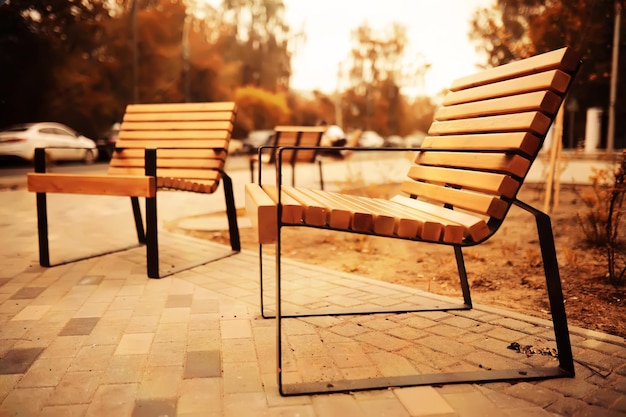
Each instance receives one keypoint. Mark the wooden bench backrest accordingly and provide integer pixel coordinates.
(304, 136)
(488, 132)
(191, 138)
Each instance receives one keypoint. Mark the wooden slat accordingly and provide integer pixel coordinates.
(493, 162)
(204, 187)
(261, 210)
(306, 136)
(177, 125)
(475, 202)
(306, 156)
(511, 141)
(409, 223)
(491, 183)
(173, 153)
(340, 215)
(372, 215)
(132, 186)
(406, 225)
(299, 138)
(555, 80)
(476, 227)
(429, 230)
(337, 214)
(197, 174)
(281, 139)
(452, 232)
(542, 101)
(208, 187)
(292, 209)
(206, 175)
(403, 220)
(359, 218)
(378, 216)
(382, 223)
(199, 135)
(310, 139)
(443, 230)
(121, 171)
(447, 231)
(143, 143)
(170, 163)
(228, 106)
(314, 213)
(533, 122)
(174, 116)
(310, 129)
(565, 59)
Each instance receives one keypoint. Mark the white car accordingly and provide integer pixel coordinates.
(415, 139)
(64, 143)
(371, 139)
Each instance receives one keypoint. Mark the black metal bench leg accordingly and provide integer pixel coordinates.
(42, 211)
(152, 240)
(460, 264)
(42, 229)
(231, 213)
(261, 284)
(553, 284)
(279, 315)
(141, 235)
(319, 163)
(555, 292)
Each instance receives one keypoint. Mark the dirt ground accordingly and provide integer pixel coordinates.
(505, 271)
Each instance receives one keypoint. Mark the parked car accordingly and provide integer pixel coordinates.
(414, 140)
(371, 139)
(394, 141)
(106, 144)
(64, 143)
(256, 139)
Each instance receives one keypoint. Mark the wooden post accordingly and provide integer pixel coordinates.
(610, 140)
(552, 182)
(558, 139)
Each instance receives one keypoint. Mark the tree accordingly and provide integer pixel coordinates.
(260, 109)
(515, 29)
(45, 49)
(259, 39)
(73, 61)
(377, 73)
(22, 56)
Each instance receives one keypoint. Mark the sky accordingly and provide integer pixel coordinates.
(437, 32)
(436, 29)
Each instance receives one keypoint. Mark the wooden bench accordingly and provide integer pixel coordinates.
(464, 179)
(179, 146)
(304, 142)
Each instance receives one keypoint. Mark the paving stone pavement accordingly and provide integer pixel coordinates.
(98, 338)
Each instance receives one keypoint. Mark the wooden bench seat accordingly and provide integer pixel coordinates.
(176, 146)
(465, 177)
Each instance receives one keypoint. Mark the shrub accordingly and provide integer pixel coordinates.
(601, 221)
(594, 220)
(616, 263)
